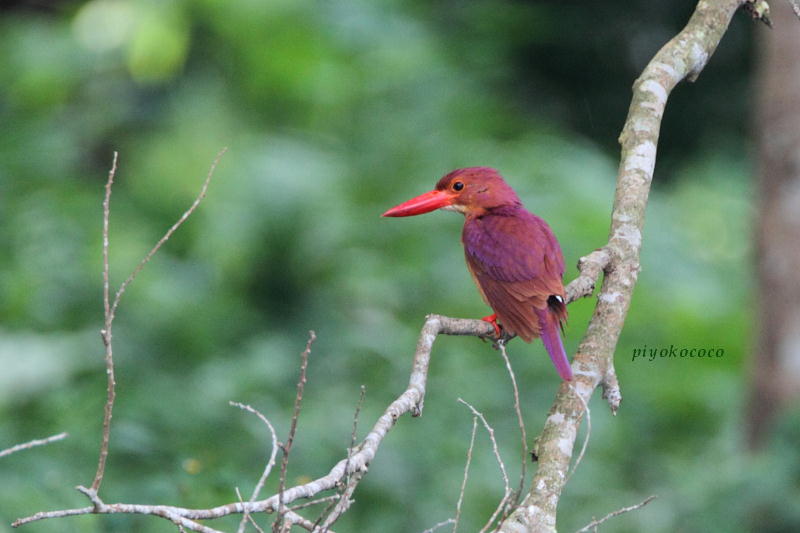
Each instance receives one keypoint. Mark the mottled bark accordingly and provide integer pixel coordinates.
(776, 354)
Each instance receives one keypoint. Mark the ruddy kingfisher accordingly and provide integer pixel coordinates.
(512, 254)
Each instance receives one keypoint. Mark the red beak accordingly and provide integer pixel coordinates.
(424, 203)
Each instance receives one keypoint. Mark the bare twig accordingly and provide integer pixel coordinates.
(270, 462)
(520, 423)
(298, 401)
(106, 217)
(32, 444)
(332, 501)
(109, 309)
(343, 503)
(186, 214)
(329, 513)
(105, 334)
(594, 523)
(318, 501)
(354, 433)
(466, 474)
(440, 524)
(586, 438)
(291, 518)
(496, 451)
(247, 517)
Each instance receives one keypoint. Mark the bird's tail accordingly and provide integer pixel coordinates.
(551, 337)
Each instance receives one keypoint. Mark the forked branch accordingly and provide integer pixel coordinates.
(348, 470)
(110, 308)
(683, 57)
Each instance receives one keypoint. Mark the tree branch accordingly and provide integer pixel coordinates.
(520, 423)
(681, 58)
(32, 444)
(466, 474)
(298, 401)
(355, 465)
(110, 309)
(267, 469)
(594, 523)
(507, 487)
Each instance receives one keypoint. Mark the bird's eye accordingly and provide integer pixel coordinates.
(457, 186)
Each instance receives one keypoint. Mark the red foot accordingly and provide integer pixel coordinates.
(492, 319)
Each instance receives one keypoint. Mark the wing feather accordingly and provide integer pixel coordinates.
(517, 264)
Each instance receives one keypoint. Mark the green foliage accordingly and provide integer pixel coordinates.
(333, 112)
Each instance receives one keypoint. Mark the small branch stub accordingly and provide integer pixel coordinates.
(759, 10)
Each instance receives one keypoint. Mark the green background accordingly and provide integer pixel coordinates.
(333, 112)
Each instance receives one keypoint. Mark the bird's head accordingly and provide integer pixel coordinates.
(472, 191)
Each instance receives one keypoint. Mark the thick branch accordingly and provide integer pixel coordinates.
(682, 58)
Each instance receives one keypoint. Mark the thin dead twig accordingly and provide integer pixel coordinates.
(329, 513)
(588, 433)
(186, 214)
(105, 334)
(291, 518)
(354, 433)
(440, 524)
(466, 475)
(326, 499)
(270, 462)
(298, 401)
(496, 451)
(520, 422)
(247, 517)
(595, 523)
(343, 503)
(109, 309)
(32, 444)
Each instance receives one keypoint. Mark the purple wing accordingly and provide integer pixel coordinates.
(513, 245)
(518, 266)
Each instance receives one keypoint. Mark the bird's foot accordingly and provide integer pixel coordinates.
(492, 319)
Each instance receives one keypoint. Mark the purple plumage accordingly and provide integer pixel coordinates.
(517, 265)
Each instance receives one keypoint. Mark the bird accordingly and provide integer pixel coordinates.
(512, 254)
